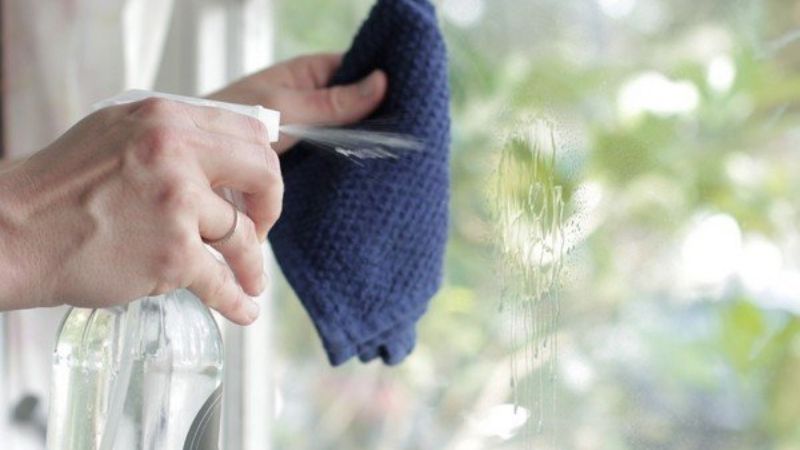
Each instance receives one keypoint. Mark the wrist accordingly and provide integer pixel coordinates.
(9, 270)
(15, 274)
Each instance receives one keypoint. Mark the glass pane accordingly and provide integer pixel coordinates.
(623, 268)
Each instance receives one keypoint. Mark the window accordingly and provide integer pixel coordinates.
(673, 126)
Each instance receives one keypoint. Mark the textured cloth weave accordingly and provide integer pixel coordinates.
(362, 241)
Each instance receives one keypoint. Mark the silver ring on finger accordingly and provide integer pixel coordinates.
(231, 231)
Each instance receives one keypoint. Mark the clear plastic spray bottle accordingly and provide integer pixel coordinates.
(143, 376)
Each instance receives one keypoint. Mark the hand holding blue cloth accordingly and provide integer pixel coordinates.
(362, 242)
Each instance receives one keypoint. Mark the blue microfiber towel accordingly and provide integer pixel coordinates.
(362, 242)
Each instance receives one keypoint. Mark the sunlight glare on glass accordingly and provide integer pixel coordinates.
(745, 170)
(761, 263)
(721, 73)
(463, 13)
(577, 372)
(652, 92)
(502, 421)
(617, 9)
(785, 292)
(711, 251)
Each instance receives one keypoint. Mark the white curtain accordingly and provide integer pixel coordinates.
(61, 56)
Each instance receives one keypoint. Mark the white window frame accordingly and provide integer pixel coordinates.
(214, 42)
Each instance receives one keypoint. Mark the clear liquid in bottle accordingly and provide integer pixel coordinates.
(145, 376)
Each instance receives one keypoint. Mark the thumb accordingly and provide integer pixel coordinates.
(337, 105)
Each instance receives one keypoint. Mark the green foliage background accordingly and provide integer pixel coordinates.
(647, 360)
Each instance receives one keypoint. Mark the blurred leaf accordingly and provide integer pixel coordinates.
(743, 332)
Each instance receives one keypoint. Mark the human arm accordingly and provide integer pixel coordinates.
(117, 208)
(11, 277)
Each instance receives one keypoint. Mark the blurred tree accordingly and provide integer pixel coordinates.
(679, 322)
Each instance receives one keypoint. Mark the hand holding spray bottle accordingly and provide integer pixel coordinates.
(148, 375)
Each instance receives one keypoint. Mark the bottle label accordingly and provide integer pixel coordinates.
(204, 432)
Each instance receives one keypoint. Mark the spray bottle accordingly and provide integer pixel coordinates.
(147, 375)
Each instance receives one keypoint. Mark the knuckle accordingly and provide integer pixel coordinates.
(248, 231)
(274, 213)
(176, 197)
(337, 100)
(156, 107)
(328, 102)
(183, 242)
(157, 144)
(219, 291)
(274, 176)
(234, 304)
(105, 116)
(275, 208)
(306, 63)
(273, 164)
(161, 287)
(219, 288)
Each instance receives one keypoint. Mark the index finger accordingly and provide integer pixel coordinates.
(252, 169)
(223, 121)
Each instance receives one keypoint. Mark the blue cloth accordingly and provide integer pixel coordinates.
(362, 241)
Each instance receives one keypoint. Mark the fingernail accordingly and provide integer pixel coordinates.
(366, 88)
(252, 309)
